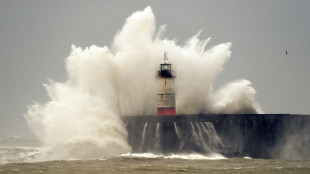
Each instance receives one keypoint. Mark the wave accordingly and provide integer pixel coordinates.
(23, 154)
(192, 156)
(82, 118)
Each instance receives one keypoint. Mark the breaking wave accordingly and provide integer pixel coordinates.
(211, 156)
(82, 118)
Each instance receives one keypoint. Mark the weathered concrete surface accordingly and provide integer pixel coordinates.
(253, 135)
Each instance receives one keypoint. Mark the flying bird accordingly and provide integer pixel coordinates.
(285, 52)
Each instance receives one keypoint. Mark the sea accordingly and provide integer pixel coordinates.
(22, 155)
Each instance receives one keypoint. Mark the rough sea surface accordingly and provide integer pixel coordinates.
(27, 160)
(160, 165)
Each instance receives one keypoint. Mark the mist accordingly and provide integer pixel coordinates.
(82, 118)
(294, 142)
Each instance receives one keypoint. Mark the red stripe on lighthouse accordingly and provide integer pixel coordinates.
(166, 112)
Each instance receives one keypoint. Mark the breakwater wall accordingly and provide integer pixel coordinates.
(232, 135)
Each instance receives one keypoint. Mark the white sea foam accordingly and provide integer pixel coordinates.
(192, 156)
(247, 157)
(82, 118)
(23, 154)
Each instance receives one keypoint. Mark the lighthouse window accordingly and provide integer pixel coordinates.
(166, 67)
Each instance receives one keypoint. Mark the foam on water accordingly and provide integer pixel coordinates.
(23, 154)
(211, 156)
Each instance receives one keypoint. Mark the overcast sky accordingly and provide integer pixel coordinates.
(36, 36)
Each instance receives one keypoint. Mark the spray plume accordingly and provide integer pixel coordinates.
(82, 118)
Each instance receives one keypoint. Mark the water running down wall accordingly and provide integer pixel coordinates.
(254, 135)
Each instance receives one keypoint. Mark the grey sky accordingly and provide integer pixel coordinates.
(36, 37)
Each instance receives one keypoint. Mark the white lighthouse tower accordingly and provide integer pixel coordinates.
(166, 92)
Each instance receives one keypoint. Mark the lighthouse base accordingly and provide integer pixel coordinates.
(166, 112)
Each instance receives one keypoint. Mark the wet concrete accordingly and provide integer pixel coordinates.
(254, 135)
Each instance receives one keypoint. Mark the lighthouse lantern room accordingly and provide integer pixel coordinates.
(166, 92)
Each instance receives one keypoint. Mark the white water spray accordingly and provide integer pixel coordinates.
(195, 135)
(201, 139)
(143, 137)
(157, 136)
(177, 131)
(82, 118)
(205, 130)
(211, 133)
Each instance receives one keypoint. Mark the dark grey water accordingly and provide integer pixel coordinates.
(16, 159)
(132, 164)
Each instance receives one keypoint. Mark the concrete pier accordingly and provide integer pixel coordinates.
(232, 135)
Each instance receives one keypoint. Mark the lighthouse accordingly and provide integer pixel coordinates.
(166, 92)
